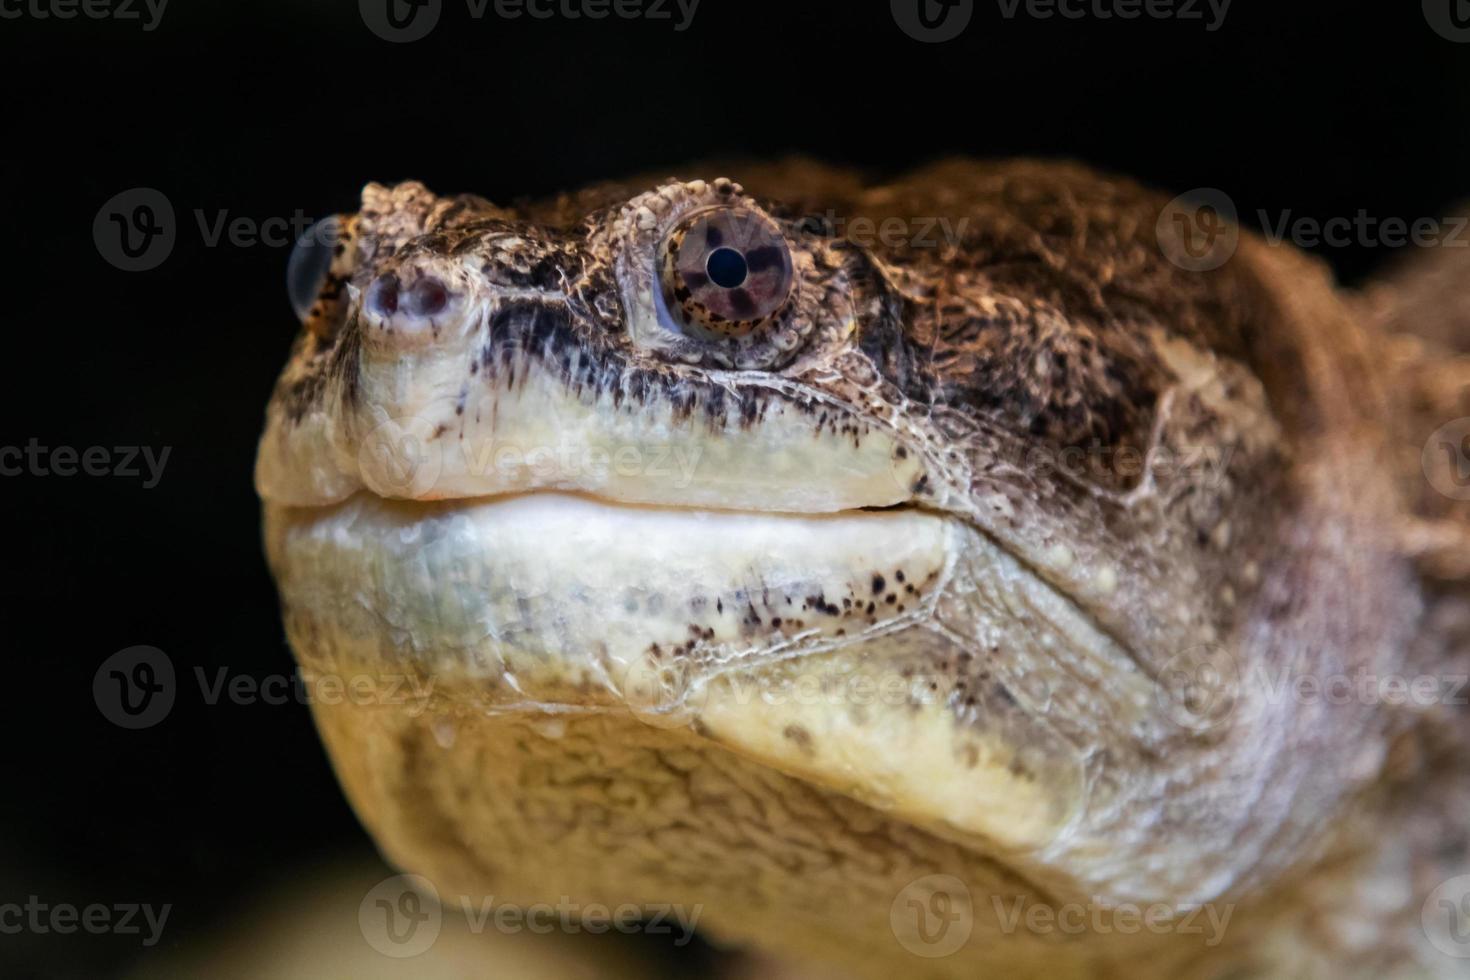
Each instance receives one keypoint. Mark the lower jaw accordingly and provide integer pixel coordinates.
(516, 651)
(554, 601)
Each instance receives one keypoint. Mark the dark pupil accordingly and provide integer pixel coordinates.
(726, 268)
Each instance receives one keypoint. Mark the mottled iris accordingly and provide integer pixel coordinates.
(725, 272)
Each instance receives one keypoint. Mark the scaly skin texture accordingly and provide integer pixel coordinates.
(927, 469)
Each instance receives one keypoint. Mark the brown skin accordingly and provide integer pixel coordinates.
(1050, 320)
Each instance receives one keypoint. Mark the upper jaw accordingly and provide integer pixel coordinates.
(515, 396)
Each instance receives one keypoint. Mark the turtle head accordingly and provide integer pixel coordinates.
(956, 514)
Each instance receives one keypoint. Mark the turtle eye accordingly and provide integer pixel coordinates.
(311, 260)
(725, 272)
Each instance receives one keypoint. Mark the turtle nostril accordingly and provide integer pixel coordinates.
(382, 295)
(427, 297)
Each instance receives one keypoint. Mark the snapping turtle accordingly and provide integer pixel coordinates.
(959, 576)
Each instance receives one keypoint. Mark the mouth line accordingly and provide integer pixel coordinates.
(757, 578)
(440, 504)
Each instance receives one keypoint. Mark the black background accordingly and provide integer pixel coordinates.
(266, 110)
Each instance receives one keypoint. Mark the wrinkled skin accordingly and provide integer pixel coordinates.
(1000, 553)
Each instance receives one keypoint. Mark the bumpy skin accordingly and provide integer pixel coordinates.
(971, 394)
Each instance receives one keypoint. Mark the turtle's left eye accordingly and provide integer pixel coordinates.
(725, 271)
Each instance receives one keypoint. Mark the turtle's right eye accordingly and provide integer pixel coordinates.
(309, 271)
